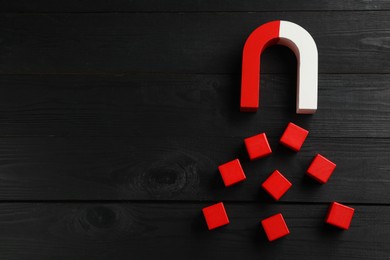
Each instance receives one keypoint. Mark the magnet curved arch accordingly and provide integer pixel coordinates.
(304, 47)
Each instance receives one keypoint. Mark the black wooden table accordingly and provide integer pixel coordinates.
(114, 116)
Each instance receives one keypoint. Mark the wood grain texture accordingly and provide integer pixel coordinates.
(150, 105)
(348, 42)
(189, 6)
(150, 231)
(161, 137)
(114, 116)
(185, 168)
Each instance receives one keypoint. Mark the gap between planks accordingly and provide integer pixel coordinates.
(84, 201)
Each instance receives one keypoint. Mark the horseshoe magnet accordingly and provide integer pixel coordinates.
(301, 43)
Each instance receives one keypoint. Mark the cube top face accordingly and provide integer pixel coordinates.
(340, 215)
(276, 185)
(275, 227)
(257, 146)
(215, 216)
(321, 169)
(294, 137)
(232, 172)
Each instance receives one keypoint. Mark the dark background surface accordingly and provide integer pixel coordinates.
(114, 116)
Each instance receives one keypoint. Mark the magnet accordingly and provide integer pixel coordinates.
(301, 43)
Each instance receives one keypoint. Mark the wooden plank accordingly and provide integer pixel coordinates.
(155, 231)
(189, 6)
(180, 105)
(185, 168)
(184, 43)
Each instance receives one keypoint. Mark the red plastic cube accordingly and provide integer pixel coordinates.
(339, 215)
(276, 185)
(294, 137)
(215, 216)
(257, 146)
(275, 227)
(321, 169)
(232, 172)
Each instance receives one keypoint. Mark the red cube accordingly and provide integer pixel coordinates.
(232, 172)
(215, 216)
(321, 169)
(276, 185)
(275, 227)
(294, 137)
(257, 146)
(339, 215)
